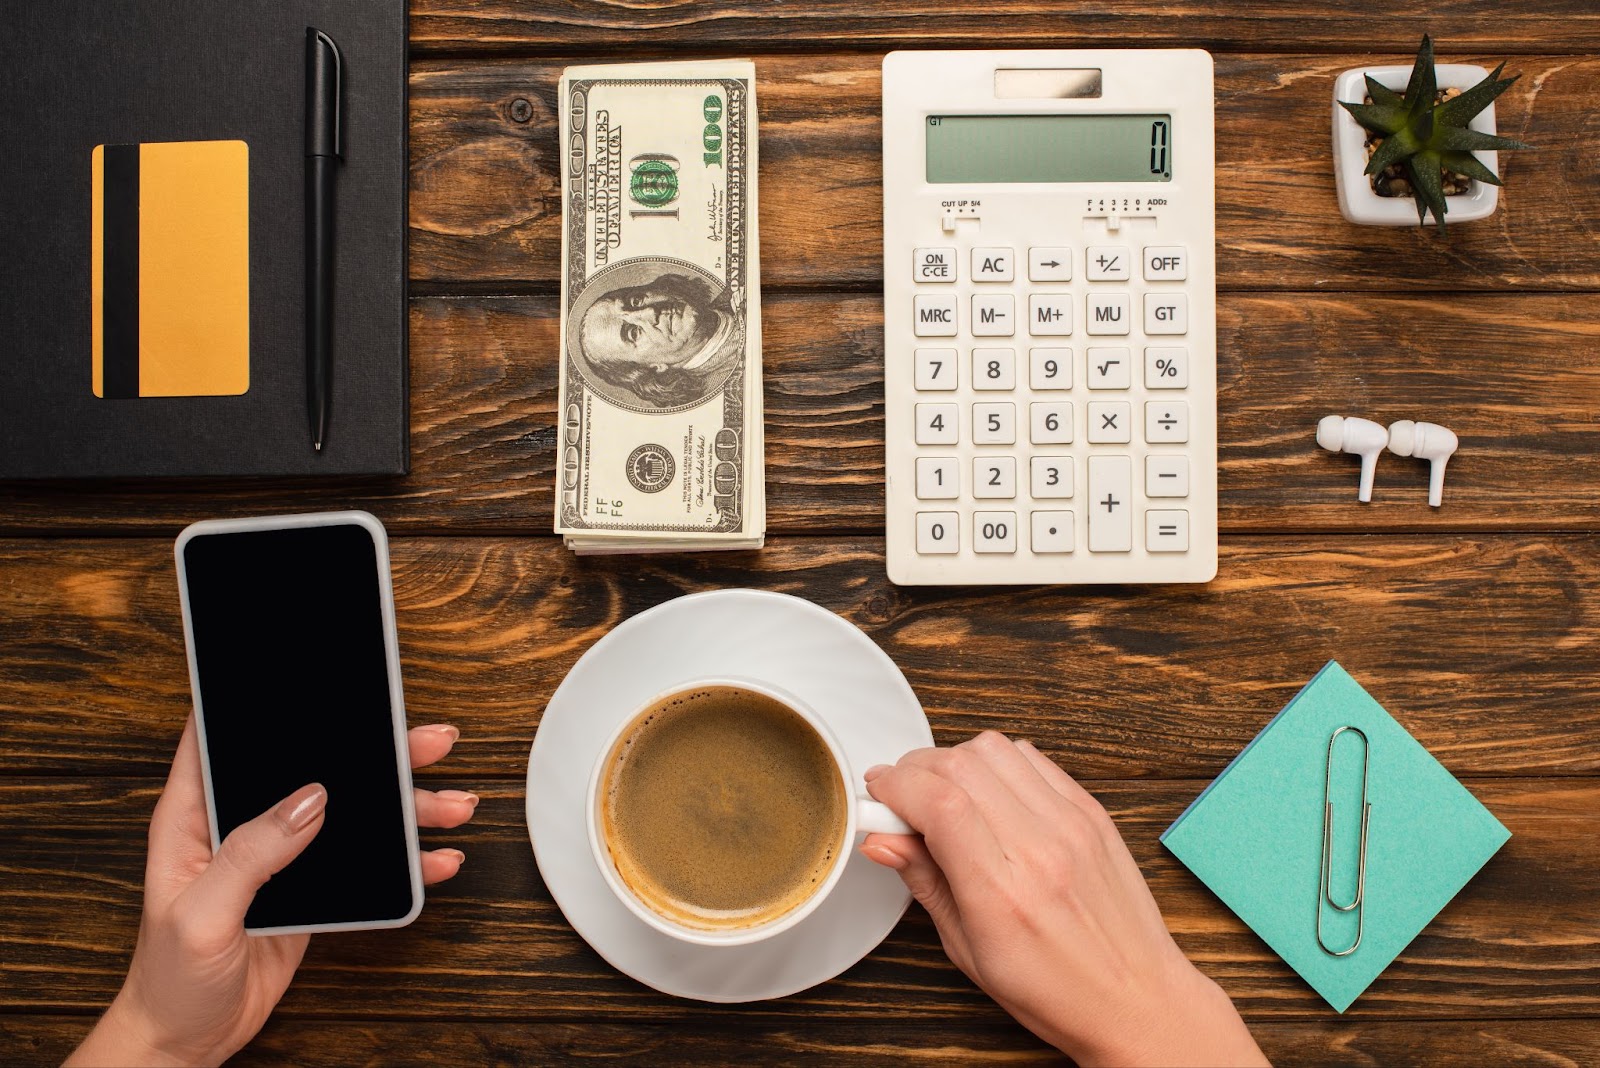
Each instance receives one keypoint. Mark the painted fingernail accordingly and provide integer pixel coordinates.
(460, 795)
(445, 729)
(461, 858)
(882, 854)
(297, 811)
(874, 771)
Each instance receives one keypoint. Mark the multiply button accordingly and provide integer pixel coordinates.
(1109, 422)
(1166, 263)
(1050, 264)
(1107, 263)
(991, 265)
(934, 265)
(1110, 514)
(936, 315)
(1166, 313)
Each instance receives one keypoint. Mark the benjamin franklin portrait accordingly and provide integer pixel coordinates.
(655, 334)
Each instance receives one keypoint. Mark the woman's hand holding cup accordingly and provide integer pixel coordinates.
(1039, 902)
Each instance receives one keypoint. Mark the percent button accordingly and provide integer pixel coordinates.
(1166, 367)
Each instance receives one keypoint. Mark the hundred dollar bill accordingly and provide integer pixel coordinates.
(660, 418)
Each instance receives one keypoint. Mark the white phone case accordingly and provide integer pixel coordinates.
(391, 644)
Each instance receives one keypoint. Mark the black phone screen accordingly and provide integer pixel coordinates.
(294, 688)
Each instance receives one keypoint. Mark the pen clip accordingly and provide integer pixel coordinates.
(324, 58)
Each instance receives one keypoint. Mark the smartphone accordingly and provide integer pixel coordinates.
(295, 670)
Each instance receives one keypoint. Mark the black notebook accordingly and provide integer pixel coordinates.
(152, 275)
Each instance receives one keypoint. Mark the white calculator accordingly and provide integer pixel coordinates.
(1049, 317)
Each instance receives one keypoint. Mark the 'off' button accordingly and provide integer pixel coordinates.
(934, 265)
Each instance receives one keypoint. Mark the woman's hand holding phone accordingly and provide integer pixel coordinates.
(199, 988)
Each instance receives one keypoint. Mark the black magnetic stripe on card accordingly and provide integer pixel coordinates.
(120, 273)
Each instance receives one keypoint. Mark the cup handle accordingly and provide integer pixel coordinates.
(874, 817)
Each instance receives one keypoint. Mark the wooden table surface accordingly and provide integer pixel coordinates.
(1477, 625)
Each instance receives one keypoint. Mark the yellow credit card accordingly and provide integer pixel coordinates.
(170, 269)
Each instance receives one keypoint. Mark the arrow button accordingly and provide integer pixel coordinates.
(1047, 264)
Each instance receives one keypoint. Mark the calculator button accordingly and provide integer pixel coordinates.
(994, 424)
(994, 477)
(938, 478)
(1108, 368)
(1166, 531)
(994, 368)
(1108, 313)
(991, 264)
(1050, 477)
(1107, 263)
(1166, 367)
(1050, 422)
(936, 368)
(1110, 514)
(1166, 422)
(936, 314)
(1050, 368)
(1166, 263)
(933, 265)
(1050, 264)
(994, 532)
(1052, 532)
(1166, 476)
(937, 424)
(1110, 422)
(994, 316)
(938, 532)
(1166, 313)
(1050, 314)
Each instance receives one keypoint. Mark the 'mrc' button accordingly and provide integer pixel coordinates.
(1166, 263)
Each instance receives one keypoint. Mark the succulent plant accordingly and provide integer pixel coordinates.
(1428, 137)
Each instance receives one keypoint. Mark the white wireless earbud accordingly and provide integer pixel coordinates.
(1361, 437)
(1425, 441)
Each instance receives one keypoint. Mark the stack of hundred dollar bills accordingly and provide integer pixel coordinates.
(660, 422)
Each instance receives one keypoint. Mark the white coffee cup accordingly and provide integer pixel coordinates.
(862, 816)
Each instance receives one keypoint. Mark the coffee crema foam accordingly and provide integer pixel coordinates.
(722, 808)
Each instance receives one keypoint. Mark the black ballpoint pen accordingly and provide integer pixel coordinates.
(324, 154)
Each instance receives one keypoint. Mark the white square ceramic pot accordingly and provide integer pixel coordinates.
(1356, 199)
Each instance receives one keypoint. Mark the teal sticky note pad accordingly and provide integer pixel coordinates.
(1254, 836)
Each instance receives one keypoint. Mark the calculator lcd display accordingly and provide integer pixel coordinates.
(1049, 148)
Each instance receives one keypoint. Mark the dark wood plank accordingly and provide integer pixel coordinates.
(486, 191)
(1483, 648)
(41, 1040)
(560, 26)
(491, 944)
(1514, 375)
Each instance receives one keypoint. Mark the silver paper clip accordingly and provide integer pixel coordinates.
(1325, 892)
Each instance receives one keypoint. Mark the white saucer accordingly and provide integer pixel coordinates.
(783, 640)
